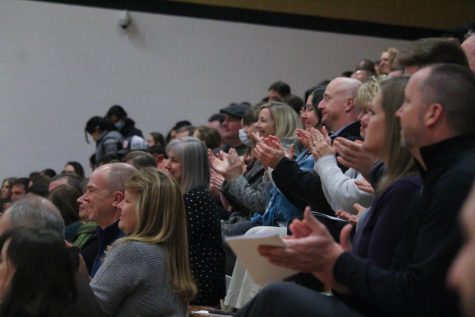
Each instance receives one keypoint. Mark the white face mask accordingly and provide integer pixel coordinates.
(244, 138)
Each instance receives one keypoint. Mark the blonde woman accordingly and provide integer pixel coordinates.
(147, 273)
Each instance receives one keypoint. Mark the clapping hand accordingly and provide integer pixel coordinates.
(320, 143)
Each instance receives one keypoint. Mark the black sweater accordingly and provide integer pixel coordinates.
(416, 283)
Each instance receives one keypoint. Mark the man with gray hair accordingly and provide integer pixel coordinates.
(36, 212)
(104, 192)
(32, 212)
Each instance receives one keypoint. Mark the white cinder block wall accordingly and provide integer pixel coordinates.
(61, 64)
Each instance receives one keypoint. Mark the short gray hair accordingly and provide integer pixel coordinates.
(36, 212)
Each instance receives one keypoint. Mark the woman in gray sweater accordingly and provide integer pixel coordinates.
(146, 273)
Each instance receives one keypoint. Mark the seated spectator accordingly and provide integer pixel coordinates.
(427, 51)
(65, 199)
(279, 120)
(39, 185)
(126, 126)
(278, 91)
(48, 172)
(37, 213)
(6, 194)
(245, 187)
(160, 156)
(294, 101)
(368, 65)
(68, 179)
(184, 131)
(19, 188)
(231, 125)
(30, 257)
(387, 61)
(154, 138)
(379, 232)
(362, 75)
(139, 159)
(146, 273)
(210, 136)
(188, 165)
(437, 128)
(172, 133)
(341, 188)
(216, 121)
(295, 180)
(74, 167)
(108, 140)
(104, 192)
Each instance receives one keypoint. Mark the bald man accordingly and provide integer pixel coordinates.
(339, 114)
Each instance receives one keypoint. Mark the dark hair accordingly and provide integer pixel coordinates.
(140, 159)
(452, 86)
(431, 51)
(78, 169)
(116, 111)
(216, 117)
(157, 149)
(158, 138)
(96, 122)
(190, 128)
(71, 179)
(347, 73)
(65, 198)
(20, 181)
(317, 96)
(39, 185)
(43, 283)
(295, 102)
(282, 88)
(177, 126)
(367, 65)
(49, 172)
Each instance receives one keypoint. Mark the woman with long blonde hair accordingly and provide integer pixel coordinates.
(147, 272)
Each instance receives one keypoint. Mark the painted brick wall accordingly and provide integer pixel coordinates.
(60, 65)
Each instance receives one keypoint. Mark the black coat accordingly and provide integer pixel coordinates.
(305, 188)
(416, 283)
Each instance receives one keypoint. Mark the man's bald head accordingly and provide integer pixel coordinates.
(116, 175)
(338, 103)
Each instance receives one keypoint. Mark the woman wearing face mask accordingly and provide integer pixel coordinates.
(245, 187)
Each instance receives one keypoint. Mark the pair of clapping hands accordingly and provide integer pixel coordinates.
(350, 154)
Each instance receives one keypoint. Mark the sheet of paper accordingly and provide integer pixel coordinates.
(260, 269)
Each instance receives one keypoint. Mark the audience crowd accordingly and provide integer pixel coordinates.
(368, 178)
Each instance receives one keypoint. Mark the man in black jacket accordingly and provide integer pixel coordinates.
(437, 126)
(339, 115)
